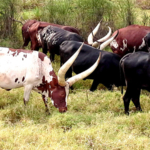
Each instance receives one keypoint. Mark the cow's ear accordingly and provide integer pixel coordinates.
(34, 27)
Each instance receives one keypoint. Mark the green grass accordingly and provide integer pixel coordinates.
(94, 120)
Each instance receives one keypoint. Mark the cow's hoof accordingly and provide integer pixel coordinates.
(127, 113)
(47, 112)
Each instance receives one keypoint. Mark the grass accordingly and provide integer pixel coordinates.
(94, 120)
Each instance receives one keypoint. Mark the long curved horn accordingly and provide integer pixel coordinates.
(84, 74)
(97, 43)
(62, 71)
(90, 37)
(103, 45)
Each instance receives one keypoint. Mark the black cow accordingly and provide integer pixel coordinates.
(136, 70)
(107, 72)
(52, 37)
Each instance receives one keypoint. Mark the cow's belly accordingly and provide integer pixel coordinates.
(12, 72)
(11, 79)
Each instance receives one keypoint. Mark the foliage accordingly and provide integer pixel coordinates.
(7, 26)
(83, 15)
(144, 4)
(125, 12)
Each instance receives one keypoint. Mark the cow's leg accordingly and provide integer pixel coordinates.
(26, 42)
(52, 56)
(27, 91)
(45, 51)
(46, 103)
(127, 98)
(108, 86)
(34, 46)
(136, 98)
(94, 85)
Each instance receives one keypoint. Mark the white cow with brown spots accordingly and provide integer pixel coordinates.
(33, 71)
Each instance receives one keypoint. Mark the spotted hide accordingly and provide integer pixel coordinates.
(51, 38)
(33, 71)
(30, 32)
(131, 38)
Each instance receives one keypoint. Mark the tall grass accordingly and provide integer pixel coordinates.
(83, 15)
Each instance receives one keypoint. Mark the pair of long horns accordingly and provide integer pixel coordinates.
(97, 43)
(62, 71)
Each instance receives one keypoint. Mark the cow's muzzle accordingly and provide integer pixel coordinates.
(62, 109)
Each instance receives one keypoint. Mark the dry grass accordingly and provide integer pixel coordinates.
(144, 4)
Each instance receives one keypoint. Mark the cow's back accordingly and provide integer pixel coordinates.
(18, 67)
(136, 68)
(129, 39)
(108, 68)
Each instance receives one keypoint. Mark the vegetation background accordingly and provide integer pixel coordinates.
(94, 120)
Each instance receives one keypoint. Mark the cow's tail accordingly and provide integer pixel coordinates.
(122, 72)
(121, 75)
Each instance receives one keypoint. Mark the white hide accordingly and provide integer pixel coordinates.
(142, 44)
(13, 68)
(114, 44)
(124, 45)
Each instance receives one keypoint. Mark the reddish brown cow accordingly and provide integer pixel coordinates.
(25, 34)
(131, 38)
(29, 34)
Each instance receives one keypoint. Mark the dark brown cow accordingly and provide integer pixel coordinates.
(131, 38)
(29, 34)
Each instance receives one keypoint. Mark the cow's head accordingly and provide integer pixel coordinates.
(25, 31)
(61, 91)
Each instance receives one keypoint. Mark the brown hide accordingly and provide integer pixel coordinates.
(25, 34)
(133, 36)
(31, 28)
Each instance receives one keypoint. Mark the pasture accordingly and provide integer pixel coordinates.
(94, 120)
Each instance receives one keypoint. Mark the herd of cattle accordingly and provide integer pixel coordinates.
(128, 65)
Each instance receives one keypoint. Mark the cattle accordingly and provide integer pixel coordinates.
(33, 71)
(25, 32)
(131, 38)
(30, 31)
(136, 71)
(51, 37)
(106, 73)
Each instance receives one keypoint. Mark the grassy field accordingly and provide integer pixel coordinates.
(94, 120)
